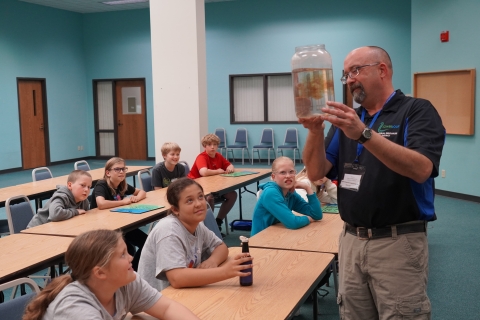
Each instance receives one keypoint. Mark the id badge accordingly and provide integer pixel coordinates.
(352, 176)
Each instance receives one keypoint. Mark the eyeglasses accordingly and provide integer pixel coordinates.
(118, 170)
(354, 73)
(284, 173)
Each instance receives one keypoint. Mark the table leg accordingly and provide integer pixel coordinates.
(315, 303)
(240, 202)
(240, 198)
(52, 272)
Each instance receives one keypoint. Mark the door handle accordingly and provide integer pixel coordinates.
(119, 123)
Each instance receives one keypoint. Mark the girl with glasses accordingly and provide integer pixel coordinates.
(101, 285)
(278, 198)
(111, 192)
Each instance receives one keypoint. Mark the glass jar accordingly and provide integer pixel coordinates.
(312, 80)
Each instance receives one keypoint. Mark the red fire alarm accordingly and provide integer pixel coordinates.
(444, 36)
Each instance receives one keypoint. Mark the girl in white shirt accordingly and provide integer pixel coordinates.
(102, 285)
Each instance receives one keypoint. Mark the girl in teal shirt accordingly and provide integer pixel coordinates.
(278, 198)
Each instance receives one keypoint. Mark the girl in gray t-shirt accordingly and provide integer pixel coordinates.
(102, 285)
(180, 251)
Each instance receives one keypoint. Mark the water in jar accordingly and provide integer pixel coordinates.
(312, 88)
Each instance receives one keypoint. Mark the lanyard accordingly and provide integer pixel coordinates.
(359, 145)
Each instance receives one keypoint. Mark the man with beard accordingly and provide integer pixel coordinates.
(385, 155)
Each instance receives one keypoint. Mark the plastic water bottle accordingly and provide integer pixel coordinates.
(248, 280)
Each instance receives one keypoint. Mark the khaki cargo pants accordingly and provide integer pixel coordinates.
(383, 278)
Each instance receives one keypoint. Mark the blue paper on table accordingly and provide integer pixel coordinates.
(238, 173)
(137, 208)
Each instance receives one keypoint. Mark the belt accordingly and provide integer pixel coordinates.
(385, 232)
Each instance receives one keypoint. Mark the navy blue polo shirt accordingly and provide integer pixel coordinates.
(385, 197)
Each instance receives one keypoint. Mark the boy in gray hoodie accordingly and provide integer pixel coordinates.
(68, 201)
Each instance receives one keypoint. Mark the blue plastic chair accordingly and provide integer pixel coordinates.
(4, 227)
(290, 143)
(39, 174)
(19, 214)
(211, 223)
(145, 180)
(220, 132)
(15, 307)
(187, 167)
(266, 142)
(241, 142)
(81, 165)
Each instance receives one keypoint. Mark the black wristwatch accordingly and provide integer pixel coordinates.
(366, 135)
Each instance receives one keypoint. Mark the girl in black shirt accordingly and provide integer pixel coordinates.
(111, 192)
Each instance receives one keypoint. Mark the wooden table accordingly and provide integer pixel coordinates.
(282, 281)
(106, 219)
(320, 236)
(37, 189)
(22, 254)
(219, 185)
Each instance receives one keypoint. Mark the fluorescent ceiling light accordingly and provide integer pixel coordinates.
(112, 3)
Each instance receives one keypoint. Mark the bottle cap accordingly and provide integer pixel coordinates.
(243, 239)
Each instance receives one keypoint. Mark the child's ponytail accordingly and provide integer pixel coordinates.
(38, 306)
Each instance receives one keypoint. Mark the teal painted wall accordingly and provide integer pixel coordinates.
(251, 36)
(41, 42)
(70, 49)
(117, 45)
(429, 18)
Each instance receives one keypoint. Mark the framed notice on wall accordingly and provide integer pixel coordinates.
(452, 93)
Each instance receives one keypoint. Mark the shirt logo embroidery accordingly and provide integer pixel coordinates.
(387, 130)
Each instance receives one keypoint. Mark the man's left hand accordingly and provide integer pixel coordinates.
(345, 118)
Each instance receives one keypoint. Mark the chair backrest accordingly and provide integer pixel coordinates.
(187, 167)
(242, 136)
(267, 137)
(41, 173)
(81, 165)
(4, 227)
(220, 132)
(259, 192)
(15, 307)
(145, 180)
(18, 215)
(291, 136)
(211, 223)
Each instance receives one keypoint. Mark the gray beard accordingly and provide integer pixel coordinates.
(359, 96)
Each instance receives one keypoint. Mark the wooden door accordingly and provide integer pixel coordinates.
(32, 123)
(131, 119)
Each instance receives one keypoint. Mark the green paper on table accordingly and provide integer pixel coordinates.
(137, 208)
(330, 208)
(238, 174)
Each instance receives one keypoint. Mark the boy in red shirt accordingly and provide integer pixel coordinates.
(209, 163)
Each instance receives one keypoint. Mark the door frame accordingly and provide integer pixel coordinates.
(115, 120)
(43, 82)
